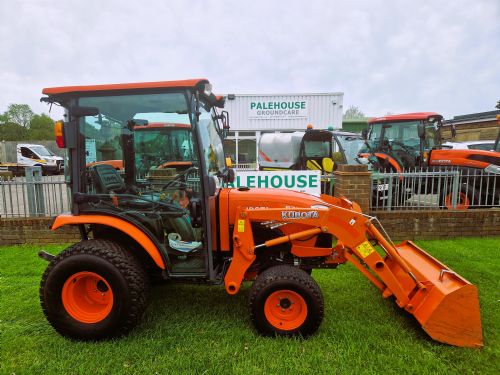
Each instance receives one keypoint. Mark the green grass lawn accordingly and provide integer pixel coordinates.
(201, 329)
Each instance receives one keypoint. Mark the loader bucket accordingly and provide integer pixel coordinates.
(448, 307)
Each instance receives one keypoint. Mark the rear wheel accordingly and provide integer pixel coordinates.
(466, 198)
(94, 290)
(286, 301)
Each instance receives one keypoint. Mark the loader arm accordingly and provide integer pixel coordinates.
(444, 303)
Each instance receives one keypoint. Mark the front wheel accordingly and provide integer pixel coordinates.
(94, 290)
(286, 301)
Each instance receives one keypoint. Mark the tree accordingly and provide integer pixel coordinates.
(498, 105)
(12, 132)
(20, 114)
(353, 112)
(41, 128)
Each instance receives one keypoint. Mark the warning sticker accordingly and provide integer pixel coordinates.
(365, 249)
(241, 226)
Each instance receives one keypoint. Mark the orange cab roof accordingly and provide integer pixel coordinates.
(124, 86)
(404, 117)
(160, 125)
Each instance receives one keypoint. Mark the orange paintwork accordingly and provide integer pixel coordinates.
(86, 301)
(463, 202)
(224, 219)
(161, 125)
(122, 225)
(390, 159)
(449, 309)
(124, 86)
(405, 272)
(170, 164)
(405, 117)
(285, 316)
(116, 164)
(212, 203)
(310, 251)
(461, 158)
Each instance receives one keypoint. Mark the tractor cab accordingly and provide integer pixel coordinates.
(403, 139)
(166, 139)
(316, 150)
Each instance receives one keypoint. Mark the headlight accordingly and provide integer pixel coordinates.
(494, 169)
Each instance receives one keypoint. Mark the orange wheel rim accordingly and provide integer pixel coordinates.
(285, 310)
(87, 297)
(463, 202)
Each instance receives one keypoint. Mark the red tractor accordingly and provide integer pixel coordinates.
(413, 141)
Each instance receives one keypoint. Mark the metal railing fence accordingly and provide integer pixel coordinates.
(33, 195)
(435, 189)
(37, 195)
(245, 166)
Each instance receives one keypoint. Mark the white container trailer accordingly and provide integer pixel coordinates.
(284, 112)
(250, 115)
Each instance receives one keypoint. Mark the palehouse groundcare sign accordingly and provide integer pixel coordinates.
(278, 109)
(303, 181)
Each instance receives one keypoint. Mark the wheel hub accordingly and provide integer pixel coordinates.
(285, 303)
(87, 297)
(285, 310)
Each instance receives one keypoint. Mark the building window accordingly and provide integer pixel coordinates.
(247, 151)
(230, 149)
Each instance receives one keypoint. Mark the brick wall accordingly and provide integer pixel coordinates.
(440, 224)
(398, 224)
(34, 230)
(354, 183)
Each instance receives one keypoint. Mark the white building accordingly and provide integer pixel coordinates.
(251, 115)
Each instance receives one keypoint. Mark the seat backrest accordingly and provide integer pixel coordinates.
(107, 179)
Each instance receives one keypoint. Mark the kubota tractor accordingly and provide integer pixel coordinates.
(137, 227)
(412, 141)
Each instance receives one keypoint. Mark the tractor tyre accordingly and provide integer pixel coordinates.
(467, 198)
(94, 290)
(286, 301)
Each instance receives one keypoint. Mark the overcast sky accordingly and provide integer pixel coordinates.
(385, 56)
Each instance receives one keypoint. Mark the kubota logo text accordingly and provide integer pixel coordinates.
(299, 215)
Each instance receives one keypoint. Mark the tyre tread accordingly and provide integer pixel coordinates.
(291, 274)
(127, 265)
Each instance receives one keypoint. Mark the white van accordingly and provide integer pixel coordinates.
(29, 155)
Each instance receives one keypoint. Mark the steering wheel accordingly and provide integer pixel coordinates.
(178, 180)
(403, 146)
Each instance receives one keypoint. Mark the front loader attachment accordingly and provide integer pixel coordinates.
(444, 303)
(448, 306)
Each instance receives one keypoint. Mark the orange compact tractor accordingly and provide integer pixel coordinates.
(174, 220)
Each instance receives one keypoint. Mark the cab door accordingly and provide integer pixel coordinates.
(26, 157)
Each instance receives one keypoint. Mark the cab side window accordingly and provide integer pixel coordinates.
(27, 153)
